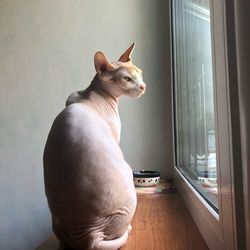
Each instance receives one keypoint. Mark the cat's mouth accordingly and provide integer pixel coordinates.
(135, 92)
(140, 94)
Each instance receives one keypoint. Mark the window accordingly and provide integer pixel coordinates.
(194, 97)
(204, 165)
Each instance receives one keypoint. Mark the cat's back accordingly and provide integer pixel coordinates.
(79, 144)
(80, 149)
(78, 123)
(79, 135)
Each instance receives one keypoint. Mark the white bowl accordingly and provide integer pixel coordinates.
(146, 178)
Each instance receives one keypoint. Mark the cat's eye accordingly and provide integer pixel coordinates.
(128, 79)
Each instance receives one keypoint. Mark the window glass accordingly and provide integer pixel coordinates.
(194, 97)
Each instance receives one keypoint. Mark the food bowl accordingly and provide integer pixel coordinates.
(146, 178)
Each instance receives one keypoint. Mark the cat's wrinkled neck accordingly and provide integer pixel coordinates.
(106, 105)
(96, 87)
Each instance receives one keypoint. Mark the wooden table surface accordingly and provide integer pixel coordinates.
(161, 222)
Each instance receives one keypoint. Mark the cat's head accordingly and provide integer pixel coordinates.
(121, 77)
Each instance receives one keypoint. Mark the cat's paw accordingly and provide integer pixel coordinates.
(129, 228)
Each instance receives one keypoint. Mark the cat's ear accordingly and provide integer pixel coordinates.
(126, 56)
(101, 63)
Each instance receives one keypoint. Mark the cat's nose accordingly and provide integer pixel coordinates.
(142, 87)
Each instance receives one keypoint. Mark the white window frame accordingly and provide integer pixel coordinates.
(218, 230)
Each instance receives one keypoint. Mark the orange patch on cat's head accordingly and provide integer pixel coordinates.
(129, 66)
(133, 69)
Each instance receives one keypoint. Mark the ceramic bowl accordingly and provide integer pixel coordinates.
(146, 178)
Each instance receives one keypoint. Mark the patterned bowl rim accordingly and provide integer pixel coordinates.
(146, 174)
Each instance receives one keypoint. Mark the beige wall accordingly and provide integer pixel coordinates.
(46, 52)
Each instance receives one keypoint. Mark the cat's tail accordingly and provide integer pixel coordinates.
(113, 244)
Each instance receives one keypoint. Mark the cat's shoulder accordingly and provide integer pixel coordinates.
(79, 110)
(80, 113)
(76, 97)
(77, 115)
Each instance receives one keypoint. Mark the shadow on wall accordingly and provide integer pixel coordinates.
(147, 124)
(46, 53)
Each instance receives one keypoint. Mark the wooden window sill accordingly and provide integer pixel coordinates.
(161, 222)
